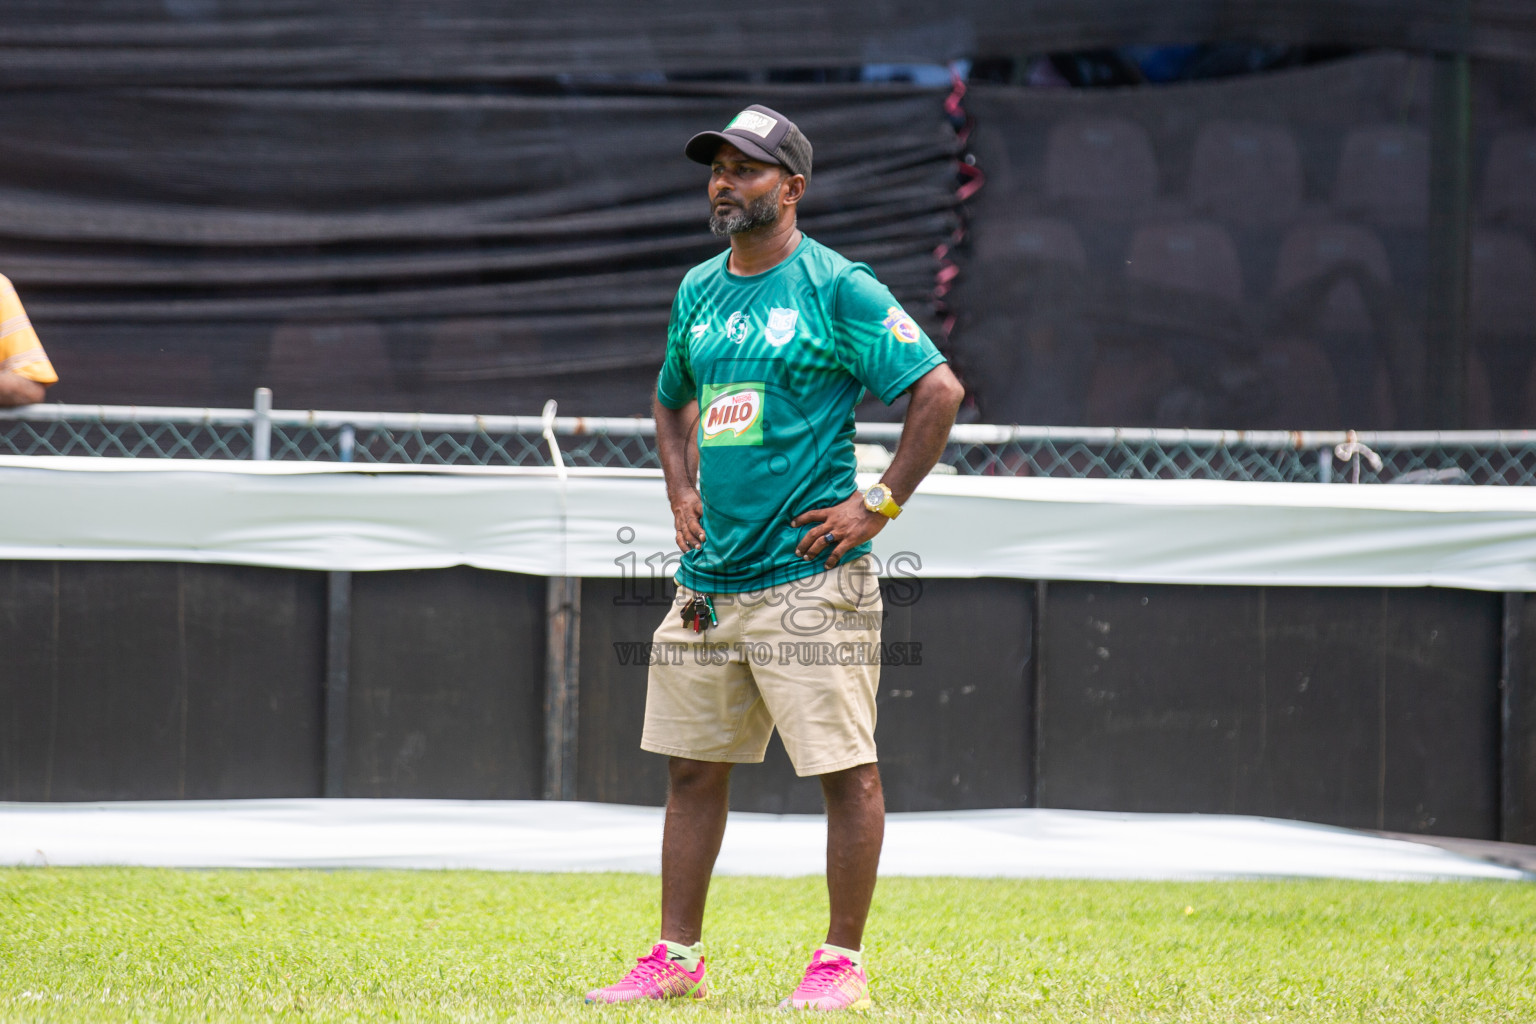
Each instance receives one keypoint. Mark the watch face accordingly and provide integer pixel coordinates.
(875, 497)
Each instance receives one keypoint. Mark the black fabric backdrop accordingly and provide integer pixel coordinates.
(411, 249)
(272, 42)
(370, 209)
(1250, 252)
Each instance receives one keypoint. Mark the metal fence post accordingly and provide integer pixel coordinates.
(338, 679)
(1517, 730)
(261, 426)
(1036, 684)
(561, 673)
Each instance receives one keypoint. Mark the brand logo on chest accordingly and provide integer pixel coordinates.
(735, 413)
(732, 417)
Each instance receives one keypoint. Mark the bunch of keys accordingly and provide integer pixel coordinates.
(700, 613)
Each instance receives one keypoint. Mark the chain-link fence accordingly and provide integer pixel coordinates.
(1464, 457)
(1472, 457)
(421, 439)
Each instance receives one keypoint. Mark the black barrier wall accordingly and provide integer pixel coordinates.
(241, 42)
(154, 681)
(1406, 709)
(149, 681)
(953, 726)
(1363, 707)
(457, 249)
(446, 697)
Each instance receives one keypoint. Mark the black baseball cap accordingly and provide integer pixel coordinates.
(760, 132)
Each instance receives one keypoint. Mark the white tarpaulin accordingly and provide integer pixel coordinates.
(606, 522)
(533, 835)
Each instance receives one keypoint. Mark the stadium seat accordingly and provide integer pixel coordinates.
(1528, 405)
(1043, 239)
(1503, 316)
(1304, 390)
(1341, 322)
(1024, 289)
(1503, 284)
(1312, 250)
(1126, 383)
(1509, 181)
(1478, 411)
(1384, 175)
(1104, 163)
(1194, 256)
(1246, 173)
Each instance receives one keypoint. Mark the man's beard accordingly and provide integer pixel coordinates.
(759, 213)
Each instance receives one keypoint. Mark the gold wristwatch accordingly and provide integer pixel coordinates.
(878, 499)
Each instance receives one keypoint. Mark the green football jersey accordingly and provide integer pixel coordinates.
(777, 361)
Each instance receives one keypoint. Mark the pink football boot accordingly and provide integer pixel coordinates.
(831, 982)
(654, 977)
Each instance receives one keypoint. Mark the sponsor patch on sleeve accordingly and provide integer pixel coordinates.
(902, 326)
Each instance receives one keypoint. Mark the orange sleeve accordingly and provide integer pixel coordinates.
(20, 351)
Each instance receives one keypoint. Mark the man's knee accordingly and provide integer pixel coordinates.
(688, 777)
(861, 783)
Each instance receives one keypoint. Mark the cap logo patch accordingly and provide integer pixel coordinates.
(781, 325)
(899, 324)
(760, 125)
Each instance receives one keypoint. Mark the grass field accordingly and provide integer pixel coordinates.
(153, 945)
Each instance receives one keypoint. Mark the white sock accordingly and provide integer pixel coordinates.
(686, 957)
(855, 955)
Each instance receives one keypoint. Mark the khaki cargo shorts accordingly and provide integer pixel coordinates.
(802, 657)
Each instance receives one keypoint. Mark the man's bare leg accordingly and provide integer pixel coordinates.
(698, 797)
(855, 830)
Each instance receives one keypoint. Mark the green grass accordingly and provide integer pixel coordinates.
(152, 945)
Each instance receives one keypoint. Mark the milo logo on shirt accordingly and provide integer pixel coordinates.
(731, 414)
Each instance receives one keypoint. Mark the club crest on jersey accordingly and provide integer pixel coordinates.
(732, 414)
(781, 325)
(737, 326)
(902, 326)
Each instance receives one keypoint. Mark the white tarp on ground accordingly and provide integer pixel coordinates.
(601, 522)
(527, 835)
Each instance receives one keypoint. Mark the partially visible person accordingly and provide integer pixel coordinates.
(25, 372)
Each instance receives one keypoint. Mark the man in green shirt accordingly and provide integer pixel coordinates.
(770, 347)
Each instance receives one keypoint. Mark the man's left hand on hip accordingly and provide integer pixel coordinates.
(839, 529)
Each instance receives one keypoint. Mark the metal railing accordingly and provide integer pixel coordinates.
(425, 439)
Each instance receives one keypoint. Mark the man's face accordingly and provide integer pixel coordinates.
(744, 192)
